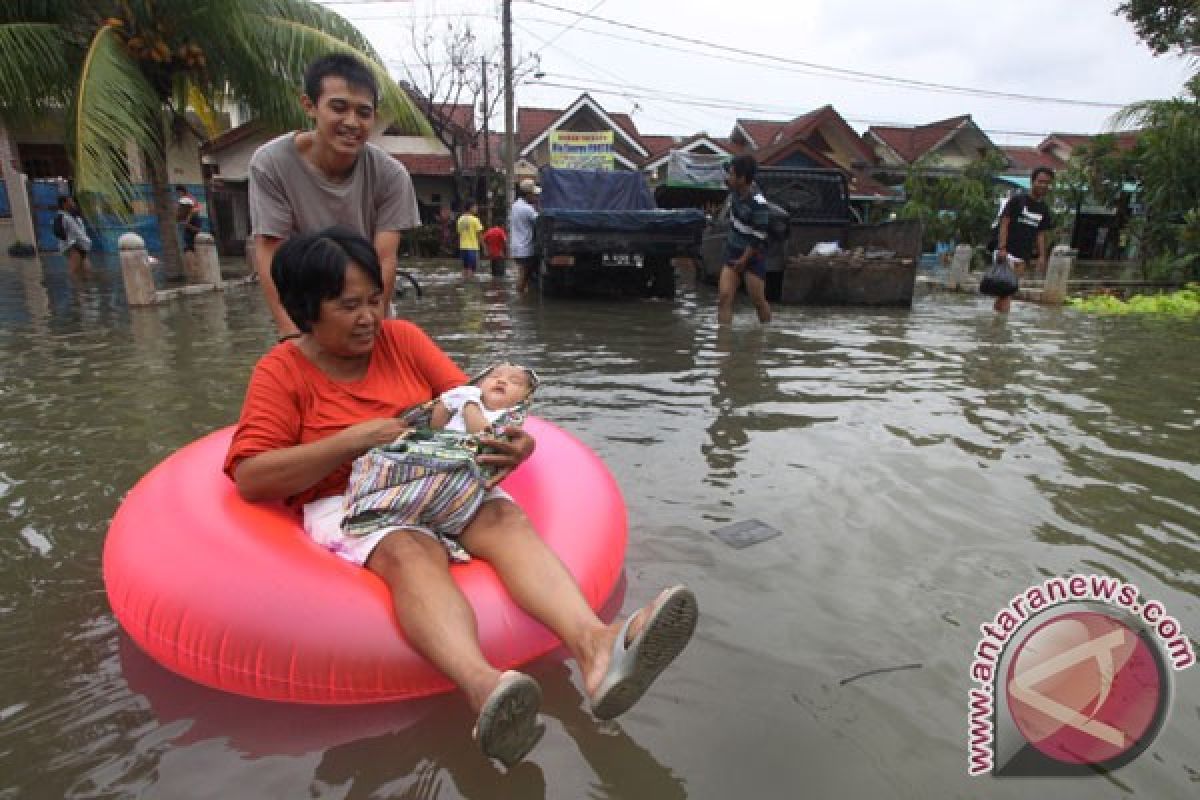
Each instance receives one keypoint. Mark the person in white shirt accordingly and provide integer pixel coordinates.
(75, 244)
(522, 218)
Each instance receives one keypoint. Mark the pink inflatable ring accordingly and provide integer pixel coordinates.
(235, 596)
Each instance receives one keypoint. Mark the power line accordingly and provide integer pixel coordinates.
(837, 72)
(589, 65)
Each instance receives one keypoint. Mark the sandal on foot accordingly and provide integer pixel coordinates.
(507, 728)
(634, 666)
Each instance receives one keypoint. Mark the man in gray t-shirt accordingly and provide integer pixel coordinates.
(304, 181)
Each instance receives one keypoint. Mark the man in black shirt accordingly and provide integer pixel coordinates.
(1023, 225)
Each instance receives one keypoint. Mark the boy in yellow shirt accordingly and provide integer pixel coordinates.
(469, 227)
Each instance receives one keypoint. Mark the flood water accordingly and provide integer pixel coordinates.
(923, 467)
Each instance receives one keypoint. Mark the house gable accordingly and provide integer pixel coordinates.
(586, 115)
(825, 132)
(700, 143)
(953, 142)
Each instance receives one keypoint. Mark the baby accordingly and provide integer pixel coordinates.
(428, 479)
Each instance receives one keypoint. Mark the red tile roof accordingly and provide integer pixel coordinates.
(912, 143)
(863, 185)
(659, 145)
(762, 131)
(1025, 159)
(781, 151)
(805, 126)
(426, 164)
(1125, 139)
(532, 121)
(234, 135)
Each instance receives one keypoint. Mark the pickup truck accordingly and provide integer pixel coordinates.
(870, 265)
(599, 231)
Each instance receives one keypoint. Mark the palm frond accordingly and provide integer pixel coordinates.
(34, 73)
(53, 11)
(284, 46)
(114, 108)
(318, 17)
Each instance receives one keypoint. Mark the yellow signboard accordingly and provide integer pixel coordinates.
(581, 150)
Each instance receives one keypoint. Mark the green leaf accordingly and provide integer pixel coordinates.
(115, 108)
(26, 92)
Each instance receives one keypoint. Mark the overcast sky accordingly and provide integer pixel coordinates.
(1075, 55)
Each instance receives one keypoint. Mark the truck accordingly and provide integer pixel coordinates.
(600, 232)
(818, 253)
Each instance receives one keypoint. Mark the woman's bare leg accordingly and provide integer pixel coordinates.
(437, 619)
(541, 585)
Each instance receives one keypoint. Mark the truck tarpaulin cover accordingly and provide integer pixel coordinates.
(594, 190)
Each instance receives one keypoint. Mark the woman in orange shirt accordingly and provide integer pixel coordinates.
(321, 399)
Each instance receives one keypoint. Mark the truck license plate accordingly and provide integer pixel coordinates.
(621, 260)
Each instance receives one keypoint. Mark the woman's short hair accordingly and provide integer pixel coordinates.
(311, 268)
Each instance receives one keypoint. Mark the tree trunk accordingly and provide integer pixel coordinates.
(164, 209)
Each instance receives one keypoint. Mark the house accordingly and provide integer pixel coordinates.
(35, 157)
(946, 146)
(536, 125)
(819, 138)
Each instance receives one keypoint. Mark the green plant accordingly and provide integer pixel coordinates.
(1185, 302)
(953, 208)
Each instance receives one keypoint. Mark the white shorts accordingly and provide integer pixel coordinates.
(323, 524)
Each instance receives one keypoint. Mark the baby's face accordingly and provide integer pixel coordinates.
(504, 387)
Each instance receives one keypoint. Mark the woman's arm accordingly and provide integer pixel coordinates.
(276, 474)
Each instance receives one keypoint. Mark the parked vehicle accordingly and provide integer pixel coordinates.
(861, 264)
(599, 231)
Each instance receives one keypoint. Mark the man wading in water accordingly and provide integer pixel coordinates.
(1023, 224)
(746, 247)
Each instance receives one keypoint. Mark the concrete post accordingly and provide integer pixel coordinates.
(1058, 271)
(135, 268)
(20, 207)
(206, 265)
(960, 265)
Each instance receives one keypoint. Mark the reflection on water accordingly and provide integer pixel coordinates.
(923, 467)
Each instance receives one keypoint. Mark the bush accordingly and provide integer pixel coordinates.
(1185, 302)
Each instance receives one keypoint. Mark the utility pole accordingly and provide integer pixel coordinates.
(487, 148)
(509, 139)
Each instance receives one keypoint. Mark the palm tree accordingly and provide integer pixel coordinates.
(127, 72)
(1167, 163)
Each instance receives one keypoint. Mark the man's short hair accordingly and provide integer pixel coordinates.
(311, 268)
(743, 166)
(1040, 170)
(339, 65)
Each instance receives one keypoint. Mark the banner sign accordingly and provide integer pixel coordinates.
(696, 170)
(581, 150)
